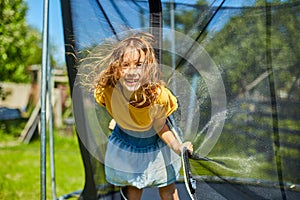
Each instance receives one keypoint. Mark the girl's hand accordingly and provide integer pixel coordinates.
(168, 137)
(188, 145)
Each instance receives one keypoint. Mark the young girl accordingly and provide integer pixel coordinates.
(141, 151)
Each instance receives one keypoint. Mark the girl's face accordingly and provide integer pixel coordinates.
(132, 69)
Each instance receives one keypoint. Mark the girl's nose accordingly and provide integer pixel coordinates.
(132, 72)
(132, 68)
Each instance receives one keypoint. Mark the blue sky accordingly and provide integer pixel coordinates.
(35, 19)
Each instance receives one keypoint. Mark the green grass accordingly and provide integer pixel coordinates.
(20, 168)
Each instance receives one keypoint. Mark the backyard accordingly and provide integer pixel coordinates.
(20, 167)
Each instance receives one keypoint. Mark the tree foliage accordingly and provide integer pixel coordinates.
(20, 44)
(239, 45)
(257, 50)
(258, 46)
(242, 46)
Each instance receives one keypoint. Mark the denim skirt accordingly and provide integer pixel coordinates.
(139, 159)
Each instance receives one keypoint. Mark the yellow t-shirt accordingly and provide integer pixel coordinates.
(132, 118)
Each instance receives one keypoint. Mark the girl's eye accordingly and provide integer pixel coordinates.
(125, 65)
(139, 65)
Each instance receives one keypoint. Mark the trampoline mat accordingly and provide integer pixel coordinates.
(219, 191)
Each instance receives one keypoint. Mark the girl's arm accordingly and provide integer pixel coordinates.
(169, 138)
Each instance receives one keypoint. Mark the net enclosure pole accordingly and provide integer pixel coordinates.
(43, 101)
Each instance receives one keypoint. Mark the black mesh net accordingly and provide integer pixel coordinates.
(234, 66)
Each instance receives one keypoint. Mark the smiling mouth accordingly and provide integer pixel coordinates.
(131, 81)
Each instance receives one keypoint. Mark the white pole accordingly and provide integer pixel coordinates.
(43, 101)
(51, 134)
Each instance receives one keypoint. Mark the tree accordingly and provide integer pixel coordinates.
(240, 47)
(188, 16)
(20, 44)
(255, 47)
(258, 46)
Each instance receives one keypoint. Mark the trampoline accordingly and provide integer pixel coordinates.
(234, 67)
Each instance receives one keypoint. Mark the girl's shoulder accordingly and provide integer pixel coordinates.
(102, 93)
(167, 101)
(102, 90)
(164, 95)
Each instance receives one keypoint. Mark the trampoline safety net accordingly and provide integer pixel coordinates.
(234, 67)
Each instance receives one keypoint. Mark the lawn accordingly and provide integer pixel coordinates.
(20, 168)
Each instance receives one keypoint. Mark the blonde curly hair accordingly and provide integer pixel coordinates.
(103, 66)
